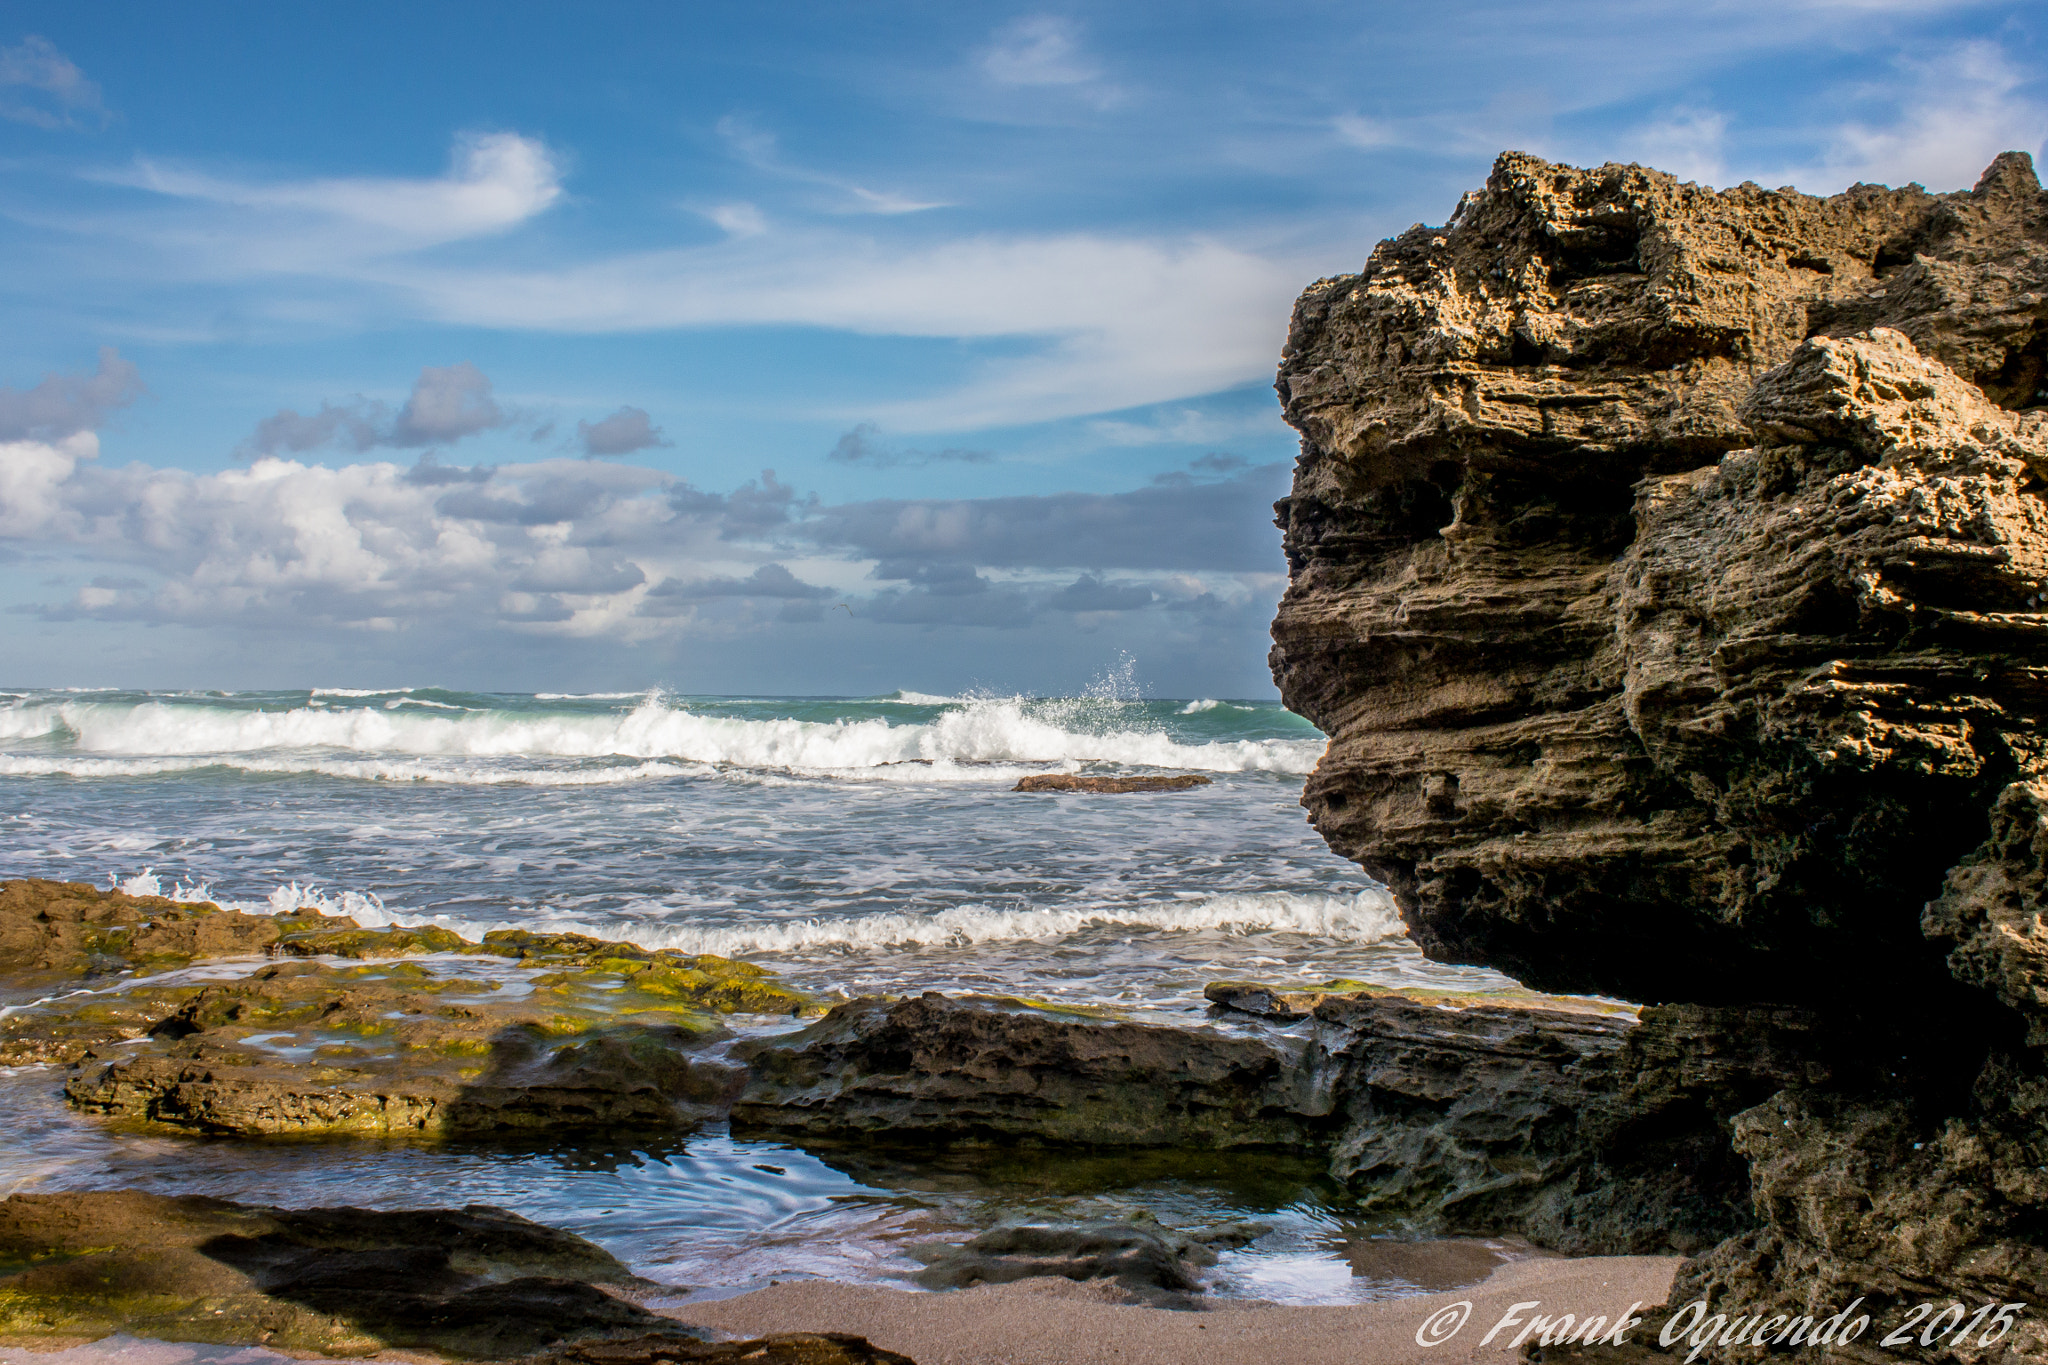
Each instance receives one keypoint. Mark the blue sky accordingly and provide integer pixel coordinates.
(451, 343)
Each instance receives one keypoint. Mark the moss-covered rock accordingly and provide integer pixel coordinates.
(474, 1282)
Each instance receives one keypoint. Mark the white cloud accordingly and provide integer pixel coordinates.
(1127, 321)
(758, 148)
(1368, 133)
(1690, 143)
(1040, 50)
(738, 220)
(1954, 111)
(544, 546)
(495, 182)
(42, 87)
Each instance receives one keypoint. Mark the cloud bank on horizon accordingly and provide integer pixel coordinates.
(635, 346)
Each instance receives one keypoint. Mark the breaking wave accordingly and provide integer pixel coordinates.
(1365, 918)
(494, 743)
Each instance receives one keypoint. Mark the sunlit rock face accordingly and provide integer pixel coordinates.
(1669, 569)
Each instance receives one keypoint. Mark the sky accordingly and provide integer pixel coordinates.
(793, 349)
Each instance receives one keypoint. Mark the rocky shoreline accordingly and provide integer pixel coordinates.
(1669, 569)
(1472, 1114)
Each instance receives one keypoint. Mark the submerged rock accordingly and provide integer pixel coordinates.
(1075, 782)
(474, 1282)
(1669, 568)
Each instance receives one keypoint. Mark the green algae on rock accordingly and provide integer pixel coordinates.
(522, 1032)
(474, 1282)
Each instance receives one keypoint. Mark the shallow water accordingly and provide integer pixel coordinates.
(712, 1214)
(853, 846)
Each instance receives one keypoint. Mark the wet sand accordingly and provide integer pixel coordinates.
(1056, 1322)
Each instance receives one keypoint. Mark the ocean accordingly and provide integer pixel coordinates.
(851, 845)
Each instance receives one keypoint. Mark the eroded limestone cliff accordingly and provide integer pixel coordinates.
(1669, 569)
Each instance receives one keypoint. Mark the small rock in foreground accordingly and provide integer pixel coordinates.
(1074, 782)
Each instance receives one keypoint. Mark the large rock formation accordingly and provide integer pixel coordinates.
(1669, 569)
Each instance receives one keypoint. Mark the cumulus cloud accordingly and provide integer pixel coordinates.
(625, 431)
(42, 87)
(770, 580)
(583, 549)
(862, 446)
(447, 403)
(1090, 593)
(66, 403)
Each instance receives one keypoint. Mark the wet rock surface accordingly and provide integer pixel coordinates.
(471, 1282)
(356, 1035)
(1150, 1261)
(1669, 568)
(962, 1069)
(1567, 1122)
(1075, 782)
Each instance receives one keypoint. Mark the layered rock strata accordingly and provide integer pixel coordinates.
(1669, 568)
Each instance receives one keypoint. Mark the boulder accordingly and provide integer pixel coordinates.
(988, 1069)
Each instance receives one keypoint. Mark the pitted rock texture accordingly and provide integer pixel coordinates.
(1669, 569)
(1608, 710)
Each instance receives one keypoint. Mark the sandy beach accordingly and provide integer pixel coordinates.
(1056, 1322)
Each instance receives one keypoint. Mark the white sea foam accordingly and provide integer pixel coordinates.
(361, 691)
(906, 697)
(1368, 917)
(590, 696)
(980, 730)
(457, 772)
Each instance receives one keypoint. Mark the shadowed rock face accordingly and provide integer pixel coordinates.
(1669, 569)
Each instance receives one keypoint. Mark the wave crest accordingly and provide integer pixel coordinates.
(393, 741)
